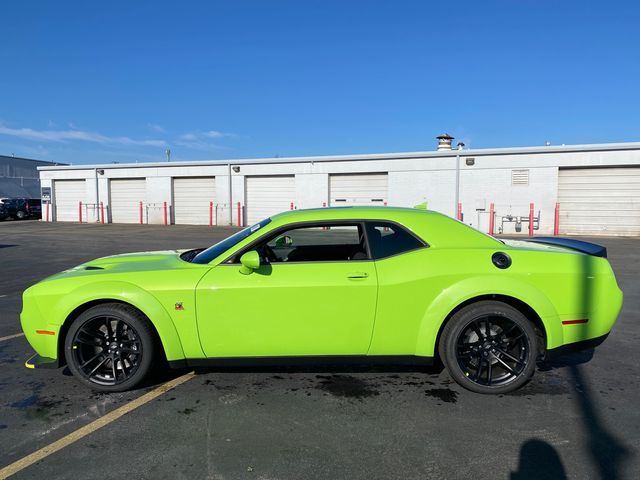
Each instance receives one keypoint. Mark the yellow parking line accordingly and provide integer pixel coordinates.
(44, 452)
(9, 337)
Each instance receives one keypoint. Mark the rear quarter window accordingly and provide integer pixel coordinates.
(389, 239)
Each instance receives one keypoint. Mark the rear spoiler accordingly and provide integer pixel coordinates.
(578, 245)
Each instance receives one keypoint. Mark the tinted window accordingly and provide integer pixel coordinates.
(387, 239)
(219, 248)
(324, 243)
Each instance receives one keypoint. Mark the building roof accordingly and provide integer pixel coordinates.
(598, 147)
(8, 158)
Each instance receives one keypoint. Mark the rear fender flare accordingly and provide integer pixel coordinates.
(455, 295)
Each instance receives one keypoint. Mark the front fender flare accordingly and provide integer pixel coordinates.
(465, 290)
(127, 293)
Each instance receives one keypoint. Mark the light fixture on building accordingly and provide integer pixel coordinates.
(100, 171)
(470, 161)
(235, 168)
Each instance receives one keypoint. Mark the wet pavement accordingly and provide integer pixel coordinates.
(578, 418)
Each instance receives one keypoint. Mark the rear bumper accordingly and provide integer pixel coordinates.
(41, 362)
(575, 347)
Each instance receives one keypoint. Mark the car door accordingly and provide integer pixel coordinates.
(314, 294)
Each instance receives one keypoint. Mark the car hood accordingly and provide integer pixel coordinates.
(128, 262)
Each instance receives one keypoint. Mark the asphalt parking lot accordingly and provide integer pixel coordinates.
(578, 418)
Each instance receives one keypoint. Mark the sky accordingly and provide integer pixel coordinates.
(120, 81)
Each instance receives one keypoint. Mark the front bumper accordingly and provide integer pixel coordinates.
(41, 362)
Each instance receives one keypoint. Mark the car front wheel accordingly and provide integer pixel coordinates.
(489, 347)
(110, 347)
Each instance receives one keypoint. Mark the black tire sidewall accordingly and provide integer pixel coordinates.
(137, 321)
(461, 319)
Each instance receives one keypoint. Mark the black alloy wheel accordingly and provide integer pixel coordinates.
(489, 347)
(110, 347)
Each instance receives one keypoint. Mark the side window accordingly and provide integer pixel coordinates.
(387, 239)
(324, 243)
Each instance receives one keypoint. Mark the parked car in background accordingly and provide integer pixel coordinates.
(20, 208)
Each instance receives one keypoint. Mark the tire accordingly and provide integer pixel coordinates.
(21, 215)
(489, 347)
(116, 342)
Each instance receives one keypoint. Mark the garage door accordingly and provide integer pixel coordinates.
(126, 196)
(191, 198)
(599, 201)
(358, 189)
(266, 196)
(67, 195)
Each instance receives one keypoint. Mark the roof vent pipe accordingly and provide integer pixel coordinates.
(444, 141)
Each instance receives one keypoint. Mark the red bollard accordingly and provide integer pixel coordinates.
(492, 215)
(556, 223)
(102, 213)
(531, 219)
(239, 215)
(140, 213)
(165, 212)
(459, 211)
(211, 214)
(324, 204)
(80, 212)
(291, 206)
(47, 204)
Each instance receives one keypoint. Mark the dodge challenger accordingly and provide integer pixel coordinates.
(352, 284)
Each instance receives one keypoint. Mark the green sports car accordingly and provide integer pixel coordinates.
(372, 284)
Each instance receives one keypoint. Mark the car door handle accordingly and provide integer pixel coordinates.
(358, 275)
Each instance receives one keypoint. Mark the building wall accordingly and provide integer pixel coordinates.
(19, 177)
(412, 179)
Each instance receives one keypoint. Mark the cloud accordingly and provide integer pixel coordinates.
(155, 127)
(198, 135)
(217, 134)
(77, 135)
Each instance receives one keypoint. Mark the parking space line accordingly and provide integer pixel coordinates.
(82, 432)
(9, 337)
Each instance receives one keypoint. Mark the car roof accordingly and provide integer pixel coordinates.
(435, 228)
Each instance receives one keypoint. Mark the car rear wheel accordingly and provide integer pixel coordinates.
(489, 347)
(110, 347)
(21, 215)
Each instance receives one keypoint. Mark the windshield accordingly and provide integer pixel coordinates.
(219, 248)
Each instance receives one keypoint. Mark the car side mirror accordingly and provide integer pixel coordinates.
(250, 261)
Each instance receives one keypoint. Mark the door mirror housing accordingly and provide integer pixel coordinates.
(250, 261)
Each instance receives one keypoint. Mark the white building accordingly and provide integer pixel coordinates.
(597, 187)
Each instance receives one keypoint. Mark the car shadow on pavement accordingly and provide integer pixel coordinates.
(325, 368)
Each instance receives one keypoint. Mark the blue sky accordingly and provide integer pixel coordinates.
(86, 82)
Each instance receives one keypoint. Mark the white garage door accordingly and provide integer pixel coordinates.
(126, 196)
(68, 194)
(358, 189)
(266, 196)
(599, 201)
(191, 198)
